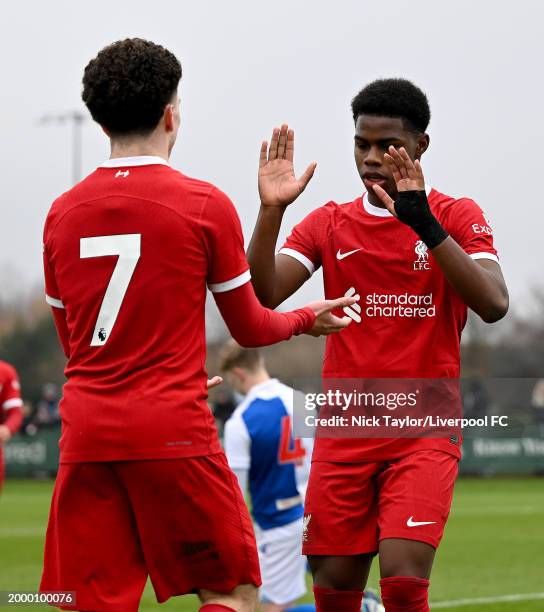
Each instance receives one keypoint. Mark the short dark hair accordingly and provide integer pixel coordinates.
(398, 98)
(232, 355)
(129, 83)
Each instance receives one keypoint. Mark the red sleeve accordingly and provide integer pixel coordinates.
(251, 324)
(59, 315)
(307, 238)
(52, 294)
(471, 229)
(11, 401)
(14, 420)
(224, 243)
(52, 297)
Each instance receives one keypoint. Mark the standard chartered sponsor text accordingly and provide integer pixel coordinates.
(403, 305)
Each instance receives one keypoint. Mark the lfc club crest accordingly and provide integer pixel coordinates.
(422, 252)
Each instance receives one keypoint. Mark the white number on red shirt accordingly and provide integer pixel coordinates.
(127, 248)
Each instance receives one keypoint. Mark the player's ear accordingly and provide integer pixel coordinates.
(240, 373)
(422, 144)
(106, 131)
(168, 117)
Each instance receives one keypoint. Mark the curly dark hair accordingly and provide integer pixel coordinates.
(128, 84)
(394, 98)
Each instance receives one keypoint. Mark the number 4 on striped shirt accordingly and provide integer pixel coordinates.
(127, 248)
(291, 449)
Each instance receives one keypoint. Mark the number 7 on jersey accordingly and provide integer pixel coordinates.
(127, 248)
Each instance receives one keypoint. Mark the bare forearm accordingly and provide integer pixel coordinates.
(483, 290)
(479, 284)
(261, 253)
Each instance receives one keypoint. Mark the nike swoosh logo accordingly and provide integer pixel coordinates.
(340, 255)
(411, 523)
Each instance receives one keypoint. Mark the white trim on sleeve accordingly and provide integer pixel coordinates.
(484, 255)
(307, 263)
(231, 284)
(15, 402)
(56, 303)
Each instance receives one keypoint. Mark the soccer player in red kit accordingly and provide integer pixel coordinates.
(143, 486)
(416, 258)
(11, 414)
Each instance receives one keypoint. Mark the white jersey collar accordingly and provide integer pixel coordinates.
(265, 388)
(376, 211)
(137, 160)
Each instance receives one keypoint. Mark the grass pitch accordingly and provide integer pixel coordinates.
(492, 551)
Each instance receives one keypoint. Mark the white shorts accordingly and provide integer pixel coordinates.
(283, 567)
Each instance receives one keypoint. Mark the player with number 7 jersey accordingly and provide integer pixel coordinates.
(129, 253)
(128, 256)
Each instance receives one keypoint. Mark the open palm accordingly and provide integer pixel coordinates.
(407, 174)
(278, 185)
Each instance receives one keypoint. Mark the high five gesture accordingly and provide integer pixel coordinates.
(278, 185)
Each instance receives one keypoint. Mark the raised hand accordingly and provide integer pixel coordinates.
(278, 185)
(326, 323)
(5, 434)
(213, 382)
(408, 176)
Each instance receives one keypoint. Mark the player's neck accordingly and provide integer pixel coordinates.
(139, 148)
(374, 200)
(256, 379)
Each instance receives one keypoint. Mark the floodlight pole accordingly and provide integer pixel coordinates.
(76, 118)
(77, 121)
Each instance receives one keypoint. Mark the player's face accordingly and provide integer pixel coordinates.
(232, 378)
(373, 136)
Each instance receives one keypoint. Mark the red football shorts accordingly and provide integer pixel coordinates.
(183, 522)
(351, 507)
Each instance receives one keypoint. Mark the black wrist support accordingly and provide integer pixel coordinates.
(413, 209)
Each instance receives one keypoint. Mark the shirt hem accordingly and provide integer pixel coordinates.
(175, 453)
(374, 456)
(270, 525)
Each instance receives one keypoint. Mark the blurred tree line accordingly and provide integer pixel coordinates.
(29, 342)
(514, 348)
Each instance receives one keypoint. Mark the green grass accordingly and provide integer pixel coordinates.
(492, 546)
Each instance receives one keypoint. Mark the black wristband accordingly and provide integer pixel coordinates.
(413, 209)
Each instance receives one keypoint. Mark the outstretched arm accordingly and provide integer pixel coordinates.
(479, 283)
(276, 277)
(251, 324)
(12, 424)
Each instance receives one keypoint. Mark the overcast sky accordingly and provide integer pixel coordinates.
(248, 66)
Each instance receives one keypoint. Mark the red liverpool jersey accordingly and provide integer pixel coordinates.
(128, 253)
(408, 321)
(10, 392)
